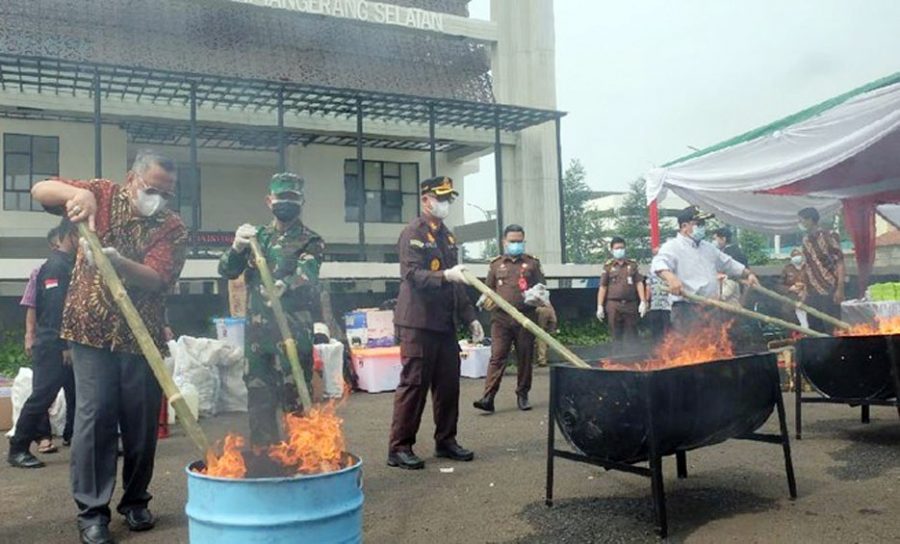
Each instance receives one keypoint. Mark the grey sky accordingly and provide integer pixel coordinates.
(644, 80)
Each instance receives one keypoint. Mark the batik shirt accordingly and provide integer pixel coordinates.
(294, 257)
(822, 254)
(91, 316)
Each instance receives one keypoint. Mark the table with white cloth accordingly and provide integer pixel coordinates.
(862, 311)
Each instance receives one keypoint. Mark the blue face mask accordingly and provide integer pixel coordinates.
(699, 232)
(618, 253)
(514, 249)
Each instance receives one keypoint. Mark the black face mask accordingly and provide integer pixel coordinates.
(285, 211)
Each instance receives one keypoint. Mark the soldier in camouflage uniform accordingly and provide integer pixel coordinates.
(294, 254)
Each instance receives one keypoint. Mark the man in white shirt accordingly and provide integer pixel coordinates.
(688, 263)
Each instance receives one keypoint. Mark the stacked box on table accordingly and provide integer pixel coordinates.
(370, 328)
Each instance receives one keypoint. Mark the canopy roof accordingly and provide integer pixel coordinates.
(844, 149)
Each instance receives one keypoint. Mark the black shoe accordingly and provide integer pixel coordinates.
(522, 401)
(24, 459)
(406, 460)
(139, 519)
(96, 534)
(486, 403)
(454, 451)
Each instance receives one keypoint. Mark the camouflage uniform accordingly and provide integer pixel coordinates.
(294, 257)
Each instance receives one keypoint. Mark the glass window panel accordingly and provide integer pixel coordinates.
(391, 215)
(373, 176)
(351, 214)
(16, 143)
(391, 184)
(351, 191)
(24, 201)
(36, 206)
(409, 175)
(17, 164)
(45, 162)
(409, 207)
(392, 199)
(392, 169)
(373, 207)
(45, 144)
(350, 166)
(22, 182)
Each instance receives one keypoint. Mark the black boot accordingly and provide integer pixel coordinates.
(486, 403)
(405, 459)
(454, 451)
(522, 401)
(96, 534)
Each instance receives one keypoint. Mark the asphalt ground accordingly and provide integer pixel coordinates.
(848, 475)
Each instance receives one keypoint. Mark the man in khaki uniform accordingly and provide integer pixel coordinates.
(621, 297)
(511, 275)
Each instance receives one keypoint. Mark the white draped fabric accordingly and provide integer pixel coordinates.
(841, 137)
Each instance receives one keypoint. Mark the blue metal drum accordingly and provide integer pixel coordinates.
(321, 508)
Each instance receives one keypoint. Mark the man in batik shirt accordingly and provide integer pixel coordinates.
(823, 274)
(294, 255)
(114, 385)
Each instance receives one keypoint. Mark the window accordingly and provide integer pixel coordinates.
(187, 196)
(27, 160)
(391, 191)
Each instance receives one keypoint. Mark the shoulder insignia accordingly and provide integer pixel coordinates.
(417, 243)
(497, 258)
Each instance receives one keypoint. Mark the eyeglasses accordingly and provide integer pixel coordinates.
(150, 190)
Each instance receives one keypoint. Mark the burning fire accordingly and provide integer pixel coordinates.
(314, 444)
(882, 325)
(704, 344)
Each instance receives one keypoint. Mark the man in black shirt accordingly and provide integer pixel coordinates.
(723, 240)
(52, 366)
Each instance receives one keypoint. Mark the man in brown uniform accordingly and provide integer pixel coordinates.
(621, 296)
(511, 274)
(431, 303)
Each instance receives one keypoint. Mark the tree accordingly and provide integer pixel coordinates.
(755, 246)
(633, 222)
(583, 229)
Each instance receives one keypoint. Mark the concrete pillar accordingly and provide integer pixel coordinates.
(524, 71)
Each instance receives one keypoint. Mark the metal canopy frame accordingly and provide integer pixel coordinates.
(192, 90)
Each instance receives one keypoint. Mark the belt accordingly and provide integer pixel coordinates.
(621, 300)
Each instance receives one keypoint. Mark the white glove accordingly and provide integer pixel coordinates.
(111, 253)
(601, 314)
(643, 308)
(242, 237)
(280, 288)
(477, 332)
(455, 274)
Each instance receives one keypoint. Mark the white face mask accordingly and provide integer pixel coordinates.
(618, 253)
(440, 208)
(797, 260)
(148, 205)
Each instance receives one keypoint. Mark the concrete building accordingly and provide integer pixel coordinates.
(236, 90)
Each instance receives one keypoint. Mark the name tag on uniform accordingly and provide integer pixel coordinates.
(630, 280)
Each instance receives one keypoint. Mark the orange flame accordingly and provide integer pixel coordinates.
(705, 344)
(231, 463)
(315, 442)
(882, 325)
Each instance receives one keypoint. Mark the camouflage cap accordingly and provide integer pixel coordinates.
(286, 182)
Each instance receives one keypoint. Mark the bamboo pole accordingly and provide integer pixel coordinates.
(751, 314)
(797, 304)
(529, 325)
(142, 335)
(290, 345)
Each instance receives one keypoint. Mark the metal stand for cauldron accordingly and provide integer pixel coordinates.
(892, 350)
(654, 469)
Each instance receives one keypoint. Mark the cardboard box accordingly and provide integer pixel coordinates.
(370, 328)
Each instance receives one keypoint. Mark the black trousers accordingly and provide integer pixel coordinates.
(50, 374)
(114, 391)
(658, 323)
(825, 304)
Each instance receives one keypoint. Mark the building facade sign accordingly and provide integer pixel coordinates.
(360, 10)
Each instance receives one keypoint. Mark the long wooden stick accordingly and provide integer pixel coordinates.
(751, 314)
(142, 335)
(805, 307)
(529, 325)
(290, 345)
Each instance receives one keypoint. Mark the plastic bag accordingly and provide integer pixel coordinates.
(21, 390)
(332, 357)
(196, 363)
(538, 295)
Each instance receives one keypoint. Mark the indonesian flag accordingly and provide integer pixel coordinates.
(50, 283)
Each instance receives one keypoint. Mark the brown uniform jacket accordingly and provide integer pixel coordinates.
(426, 301)
(511, 277)
(621, 279)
